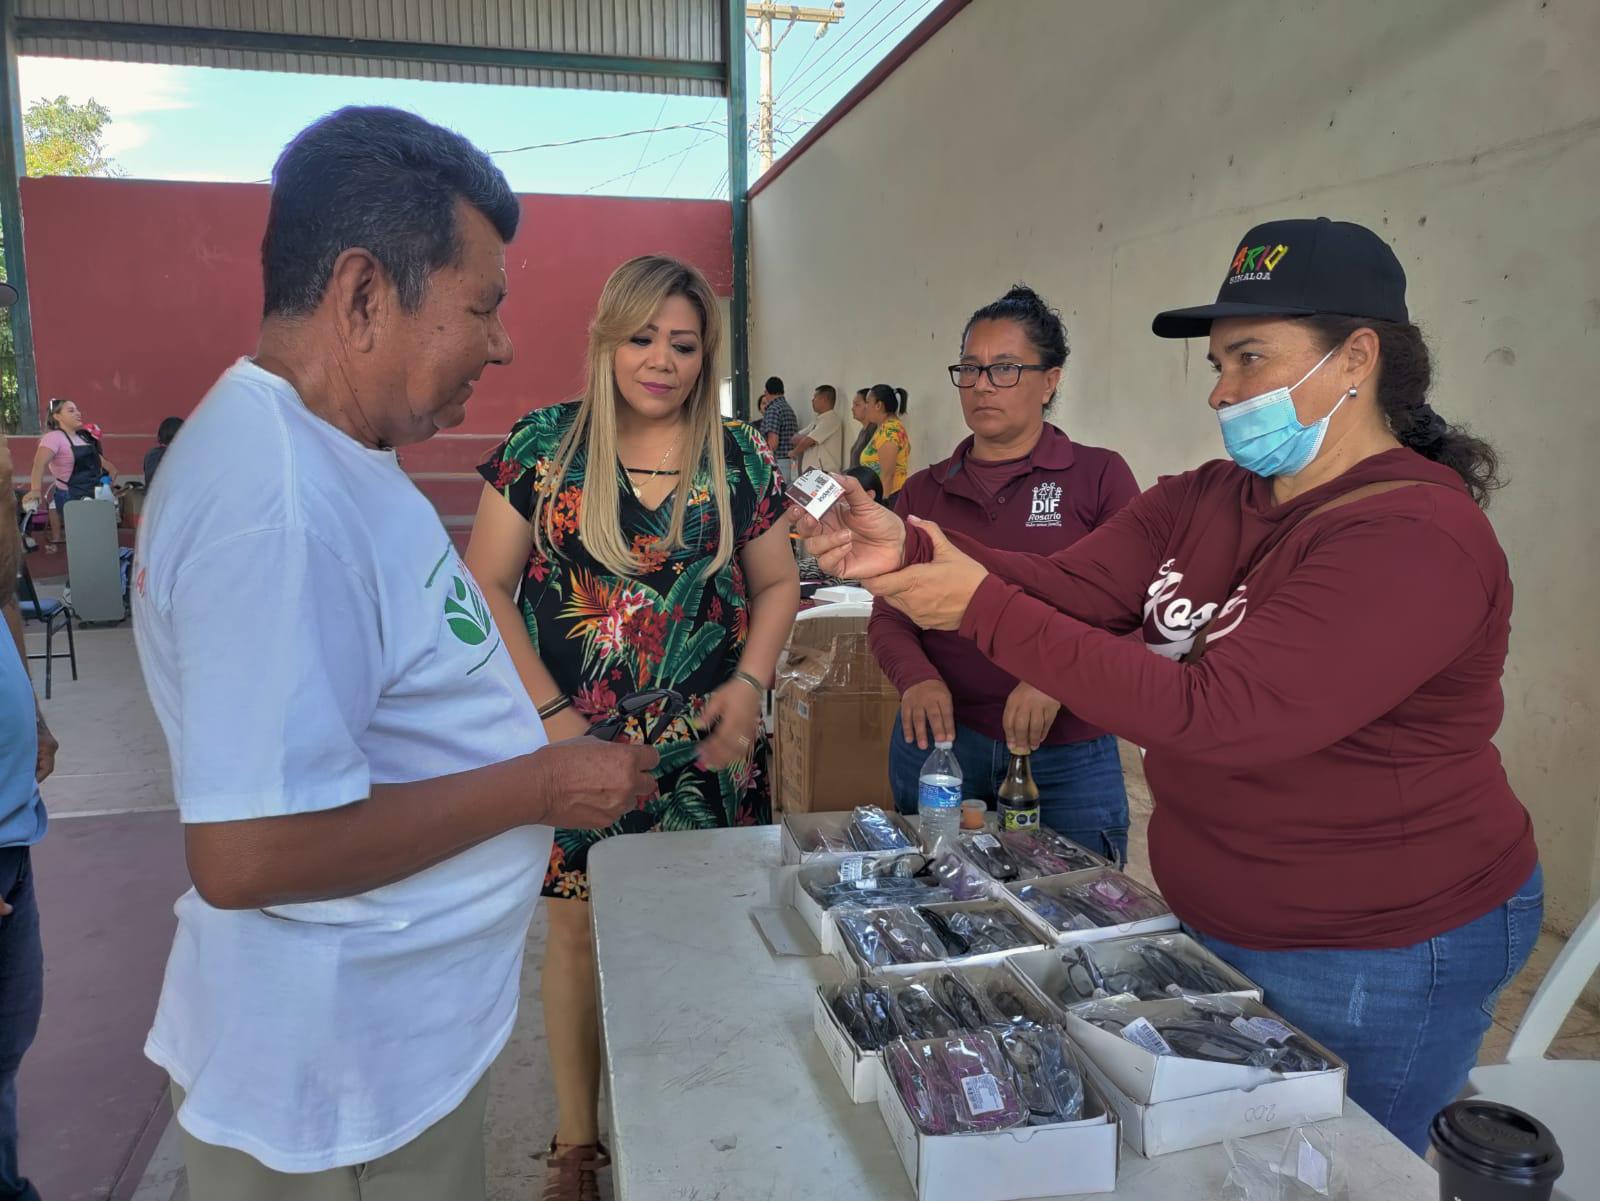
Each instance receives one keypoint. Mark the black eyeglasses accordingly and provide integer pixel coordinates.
(636, 704)
(1001, 375)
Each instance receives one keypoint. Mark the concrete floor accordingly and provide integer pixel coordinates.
(114, 864)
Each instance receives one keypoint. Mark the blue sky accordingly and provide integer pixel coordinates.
(197, 123)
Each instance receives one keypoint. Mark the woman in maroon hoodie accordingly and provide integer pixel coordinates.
(1018, 483)
(1329, 616)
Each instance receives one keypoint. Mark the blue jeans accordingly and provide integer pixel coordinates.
(1407, 1020)
(21, 997)
(1081, 794)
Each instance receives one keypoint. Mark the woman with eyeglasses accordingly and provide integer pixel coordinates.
(1018, 483)
(625, 542)
(888, 450)
(71, 453)
(1325, 621)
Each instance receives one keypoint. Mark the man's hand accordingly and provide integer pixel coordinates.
(48, 746)
(857, 538)
(927, 713)
(1028, 718)
(935, 595)
(595, 782)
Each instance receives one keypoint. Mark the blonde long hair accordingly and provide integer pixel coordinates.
(631, 297)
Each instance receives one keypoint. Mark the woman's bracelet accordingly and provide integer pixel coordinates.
(761, 689)
(550, 708)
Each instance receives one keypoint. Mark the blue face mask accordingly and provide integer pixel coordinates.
(1264, 434)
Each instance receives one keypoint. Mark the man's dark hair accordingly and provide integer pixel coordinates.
(381, 179)
(774, 385)
(829, 391)
(168, 430)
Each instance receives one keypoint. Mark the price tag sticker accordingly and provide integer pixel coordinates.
(986, 842)
(816, 492)
(1142, 1034)
(983, 1094)
(850, 869)
(1263, 1030)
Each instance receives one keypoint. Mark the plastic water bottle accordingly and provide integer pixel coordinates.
(939, 795)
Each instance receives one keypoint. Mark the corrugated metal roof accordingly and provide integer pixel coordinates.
(461, 41)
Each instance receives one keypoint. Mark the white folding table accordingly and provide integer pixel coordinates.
(719, 1089)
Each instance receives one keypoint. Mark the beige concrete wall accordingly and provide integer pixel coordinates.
(1113, 154)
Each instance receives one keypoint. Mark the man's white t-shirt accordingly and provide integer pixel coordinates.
(307, 630)
(827, 431)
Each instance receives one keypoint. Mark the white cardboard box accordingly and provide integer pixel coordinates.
(1153, 925)
(841, 950)
(859, 1071)
(788, 890)
(1044, 972)
(1187, 1122)
(1151, 1079)
(1005, 1165)
(796, 826)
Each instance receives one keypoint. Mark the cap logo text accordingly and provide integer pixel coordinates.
(1255, 262)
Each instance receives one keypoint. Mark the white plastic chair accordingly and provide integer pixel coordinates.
(1564, 1094)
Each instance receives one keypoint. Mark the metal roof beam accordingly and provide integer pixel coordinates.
(138, 33)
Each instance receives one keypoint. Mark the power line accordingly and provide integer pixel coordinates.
(645, 149)
(826, 63)
(837, 74)
(602, 137)
(665, 158)
(702, 138)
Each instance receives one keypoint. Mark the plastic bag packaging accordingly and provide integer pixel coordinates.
(1007, 1003)
(1217, 1029)
(1153, 968)
(887, 937)
(955, 873)
(915, 1076)
(853, 881)
(1046, 1073)
(1040, 851)
(862, 1008)
(872, 829)
(1308, 1169)
(1091, 902)
(958, 998)
(981, 1086)
(918, 1015)
(977, 931)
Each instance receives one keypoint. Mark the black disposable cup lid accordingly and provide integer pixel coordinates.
(1497, 1141)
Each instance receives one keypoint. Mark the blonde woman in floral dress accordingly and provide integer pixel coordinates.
(626, 541)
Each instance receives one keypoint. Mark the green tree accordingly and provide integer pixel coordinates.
(58, 138)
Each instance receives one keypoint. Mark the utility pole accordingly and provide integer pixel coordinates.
(765, 13)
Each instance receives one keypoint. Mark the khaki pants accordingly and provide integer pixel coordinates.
(443, 1163)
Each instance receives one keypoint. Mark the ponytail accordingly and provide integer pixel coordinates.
(1405, 373)
(893, 400)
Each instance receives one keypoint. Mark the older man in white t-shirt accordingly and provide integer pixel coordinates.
(365, 786)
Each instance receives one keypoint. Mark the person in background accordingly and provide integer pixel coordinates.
(165, 433)
(71, 451)
(870, 483)
(626, 541)
(858, 412)
(1325, 622)
(367, 792)
(27, 757)
(778, 426)
(1018, 483)
(888, 450)
(821, 444)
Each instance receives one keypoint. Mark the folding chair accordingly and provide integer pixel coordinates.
(53, 614)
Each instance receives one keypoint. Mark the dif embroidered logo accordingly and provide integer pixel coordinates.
(1255, 263)
(1046, 510)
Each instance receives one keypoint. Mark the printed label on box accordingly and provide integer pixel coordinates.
(1142, 1034)
(983, 1094)
(1263, 1030)
(816, 492)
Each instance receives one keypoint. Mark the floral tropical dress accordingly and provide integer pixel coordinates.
(602, 636)
(888, 453)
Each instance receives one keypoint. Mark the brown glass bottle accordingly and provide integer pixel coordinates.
(1018, 796)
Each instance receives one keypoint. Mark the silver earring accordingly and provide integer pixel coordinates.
(1351, 394)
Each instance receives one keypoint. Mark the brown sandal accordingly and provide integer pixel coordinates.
(570, 1171)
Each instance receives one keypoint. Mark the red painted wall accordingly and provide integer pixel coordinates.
(143, 292)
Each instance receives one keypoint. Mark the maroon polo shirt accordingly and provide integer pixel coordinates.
(1040, 504)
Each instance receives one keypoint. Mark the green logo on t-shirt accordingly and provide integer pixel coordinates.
(466, 614)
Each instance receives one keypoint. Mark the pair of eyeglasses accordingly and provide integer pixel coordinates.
(671, 703)
(1001, 375)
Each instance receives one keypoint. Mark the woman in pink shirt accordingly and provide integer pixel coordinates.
(1325, 622)
(73, 457)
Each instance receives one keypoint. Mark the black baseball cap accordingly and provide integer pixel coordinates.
(1296, 268)
(8, 296)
